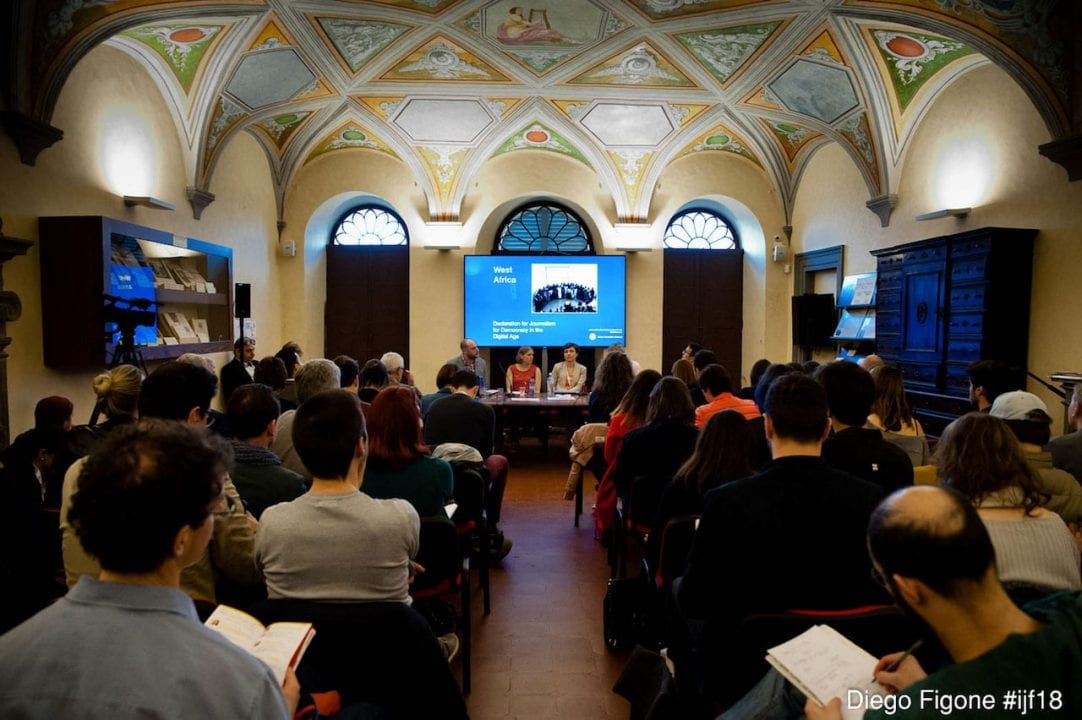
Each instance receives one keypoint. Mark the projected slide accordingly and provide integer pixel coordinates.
(514, 300)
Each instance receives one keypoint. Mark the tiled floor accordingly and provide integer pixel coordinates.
(541, 653)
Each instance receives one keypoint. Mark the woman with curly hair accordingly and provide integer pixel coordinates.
(399, 464)
(1036, 554)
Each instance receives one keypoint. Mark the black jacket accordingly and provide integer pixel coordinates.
(459, 418)
(864, 453)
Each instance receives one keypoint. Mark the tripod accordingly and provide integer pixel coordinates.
(126, 352)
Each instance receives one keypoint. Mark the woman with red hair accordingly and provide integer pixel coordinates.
(399, 464)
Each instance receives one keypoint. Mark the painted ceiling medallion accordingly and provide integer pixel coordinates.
(792, 137)
(444, 121)
(539, 137)
(281, 127)
(442, 59)
(912, 59)
(183, 46)
(641, 66)
(624, 125)
(666, 9)
(820, 91)
(430, 7)
(721, 138)
(349, 136)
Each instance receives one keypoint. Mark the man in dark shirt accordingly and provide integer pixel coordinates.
(259, 475)
(239, 370)
(854, 448)
(699, 361)
(789, 536)
(459, 418)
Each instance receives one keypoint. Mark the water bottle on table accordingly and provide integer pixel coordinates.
(532, 390)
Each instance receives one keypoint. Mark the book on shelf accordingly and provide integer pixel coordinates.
(823, 664)
(184, 332)
(850, 324)
(199, 325)
(280, 645)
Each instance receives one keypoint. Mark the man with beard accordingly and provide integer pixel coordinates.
(931, 551)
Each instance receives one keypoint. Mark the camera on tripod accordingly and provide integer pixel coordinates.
(128, 313)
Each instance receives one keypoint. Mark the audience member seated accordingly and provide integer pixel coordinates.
(290, 355)
(129, 644)
(1066, 450)
(569, 376)
(399, 464)
(240, 369)
(933, 554)
(443, 387)
(1028, 418)
(871, 363)
(892, 415)
(760, 448)
(397, 374)
(461, 419)
(271, 371)
(988, 379)
(470, 359)
(721, 455)
(683, 370)
(853, 447)
(699, 361)
(717, 387)
(636, 368)
(688, 353)
(979, 457)
(260, 478)
(314, 377)
(179, 392)
(52, 413)
(611, 381)
(628, 415)
(349, 373)
(335, 542)
(662, 444)
(790, 536)
(27, 530)
(117, 391)
(374, 377)
(217, 420)
(521, 372)
(757, 370)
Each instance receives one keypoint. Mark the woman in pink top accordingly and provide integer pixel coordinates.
(520, 374)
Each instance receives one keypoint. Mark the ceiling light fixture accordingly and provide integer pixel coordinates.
(948, 212)
(148, 201)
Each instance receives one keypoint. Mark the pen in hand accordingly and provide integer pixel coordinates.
(901, 658)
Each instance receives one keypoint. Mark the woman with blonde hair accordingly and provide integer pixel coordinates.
(1036, 553)
(522, 371)
(117, 392)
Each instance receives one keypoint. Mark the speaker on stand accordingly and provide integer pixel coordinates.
(242, 305)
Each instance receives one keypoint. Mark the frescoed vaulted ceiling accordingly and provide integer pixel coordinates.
(624, 87)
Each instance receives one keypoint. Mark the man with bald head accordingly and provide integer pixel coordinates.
(931, 551)
(471, 359)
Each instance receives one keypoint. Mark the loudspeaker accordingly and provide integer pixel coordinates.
(813, 320)
(242, 300)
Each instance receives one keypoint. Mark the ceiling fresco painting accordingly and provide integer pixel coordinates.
(624, 87)
(725, 51)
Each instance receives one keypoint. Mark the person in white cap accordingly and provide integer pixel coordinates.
(1028, 418)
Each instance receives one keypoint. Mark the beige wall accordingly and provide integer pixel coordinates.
(71, 179)
(977, 144)
(288, 293)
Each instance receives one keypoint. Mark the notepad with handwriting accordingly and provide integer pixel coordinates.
(824, 664)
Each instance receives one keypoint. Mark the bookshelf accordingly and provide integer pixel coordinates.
(855, 333)
(98, 274)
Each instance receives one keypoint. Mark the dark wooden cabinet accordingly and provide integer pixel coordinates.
(945, 302)
(98, 274)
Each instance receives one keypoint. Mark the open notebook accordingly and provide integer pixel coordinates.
(823, 664)
(280, 645)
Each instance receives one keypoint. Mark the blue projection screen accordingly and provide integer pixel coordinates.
(514, 300)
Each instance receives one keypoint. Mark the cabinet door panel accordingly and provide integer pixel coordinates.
(923, 334)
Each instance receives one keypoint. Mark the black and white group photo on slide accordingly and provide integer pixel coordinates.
(564, 288)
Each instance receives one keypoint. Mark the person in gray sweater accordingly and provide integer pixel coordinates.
(335, 542)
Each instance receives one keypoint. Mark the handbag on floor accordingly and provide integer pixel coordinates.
(626, 610)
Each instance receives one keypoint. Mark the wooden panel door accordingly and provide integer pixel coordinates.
(367, 309)
(704, 302)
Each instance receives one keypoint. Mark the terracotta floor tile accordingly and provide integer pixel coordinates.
(541, 654)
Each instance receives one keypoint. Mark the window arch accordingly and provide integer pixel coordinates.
(700, 229)
(543, 227)
(370, 225)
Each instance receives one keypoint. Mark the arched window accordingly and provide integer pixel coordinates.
(700, 229)
(370, 225)
(543, 227)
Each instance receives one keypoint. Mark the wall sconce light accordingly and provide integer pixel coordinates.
(443, 235)
(632, 237)
(148, 201)
(948, 212)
